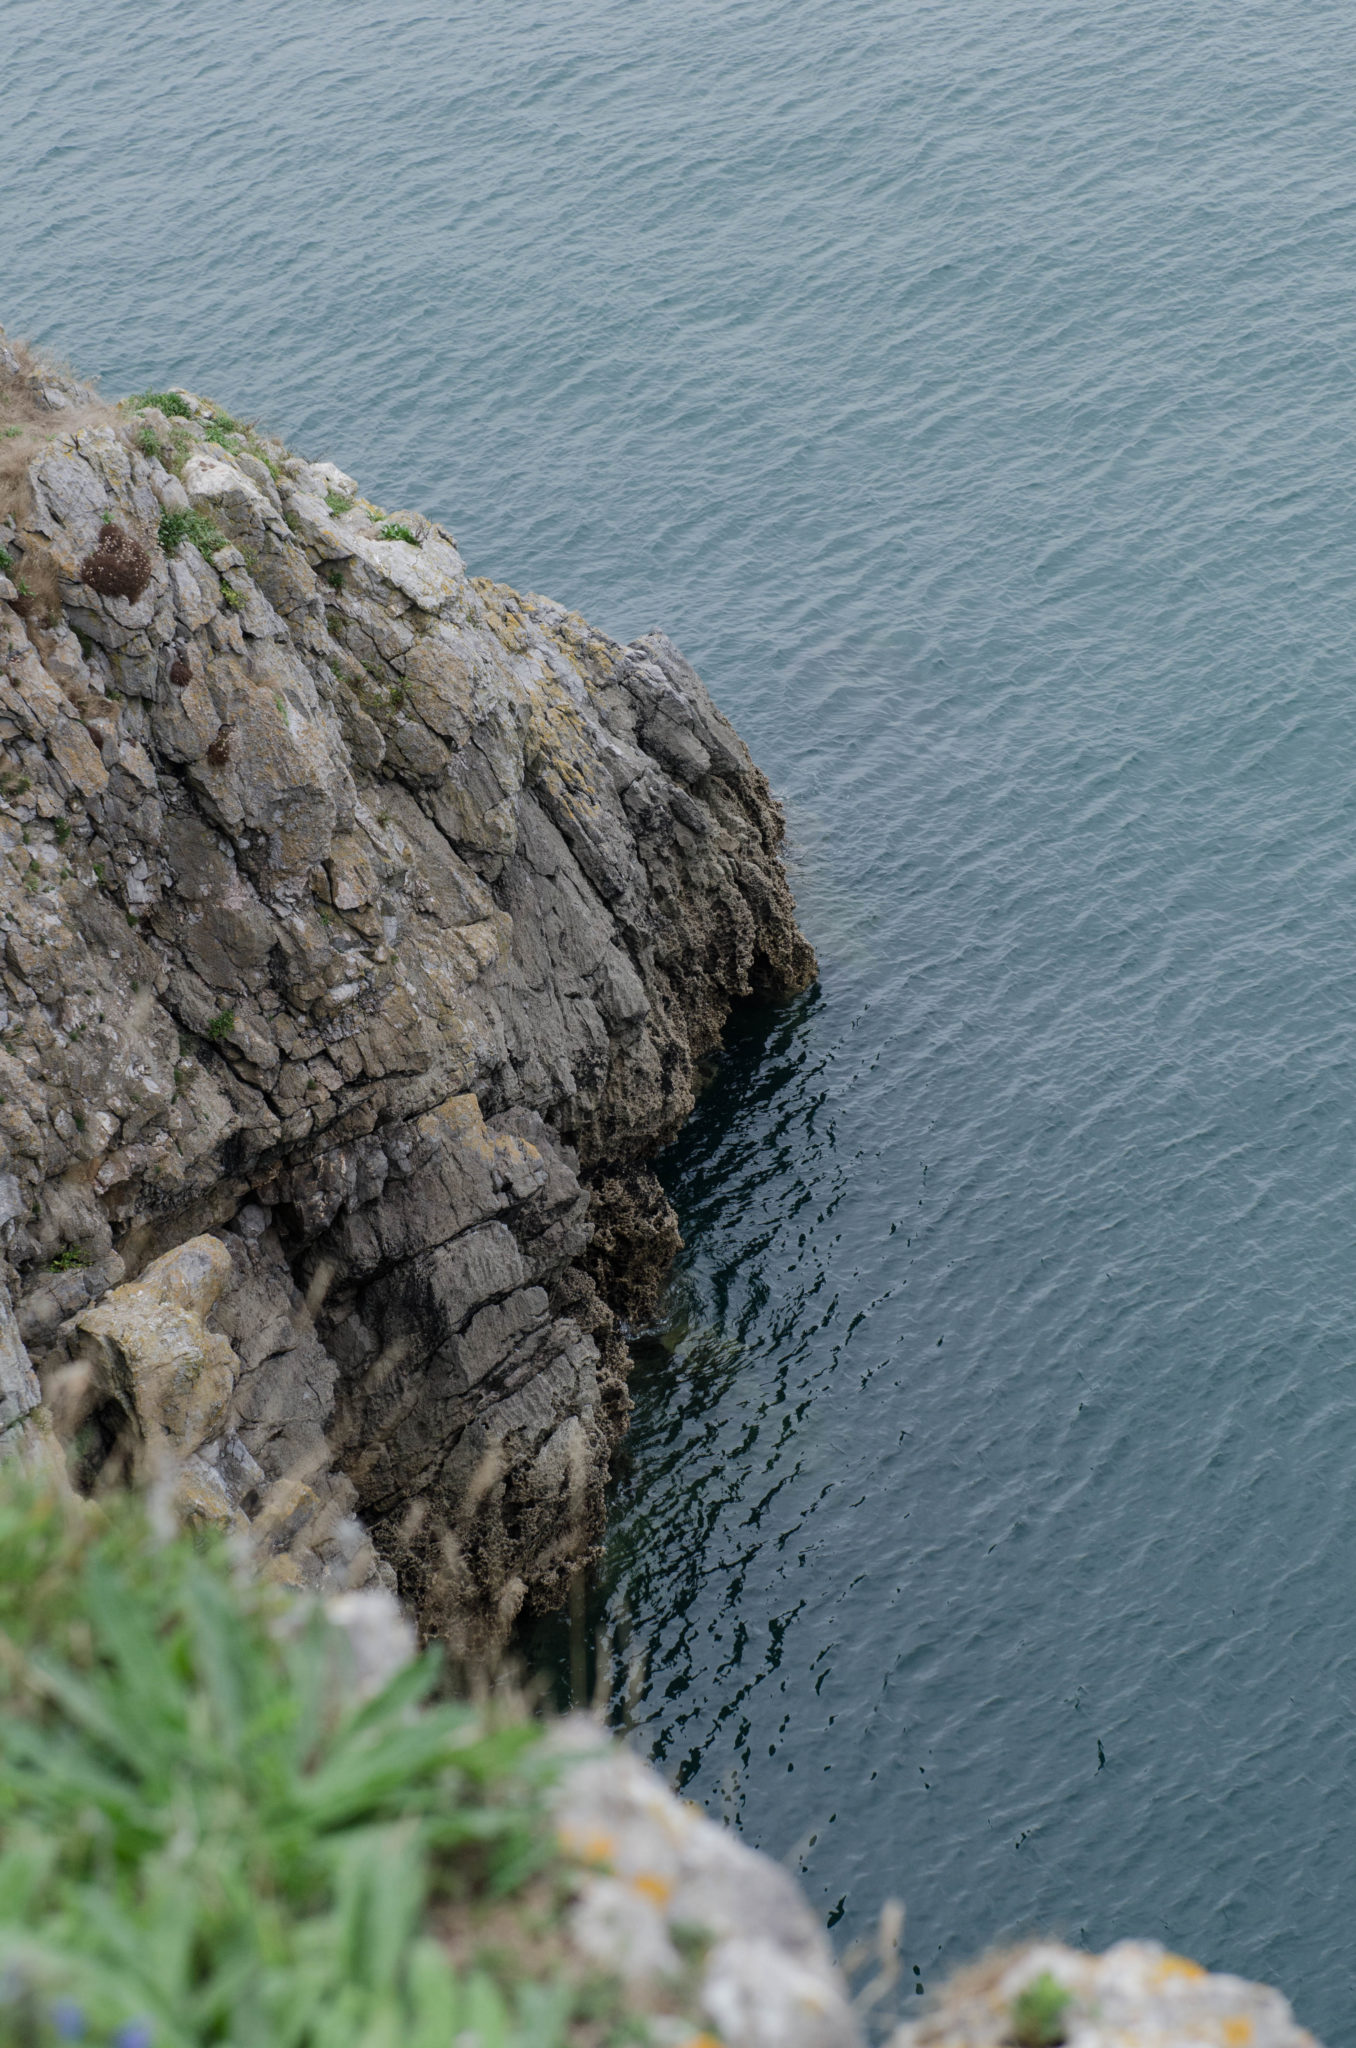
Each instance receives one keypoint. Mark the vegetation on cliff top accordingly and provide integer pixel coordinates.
(204, 1836)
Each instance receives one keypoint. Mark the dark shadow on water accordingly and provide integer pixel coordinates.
(762, 1051)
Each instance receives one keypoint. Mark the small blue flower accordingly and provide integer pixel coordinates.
(136, 2034)
(69, 2020)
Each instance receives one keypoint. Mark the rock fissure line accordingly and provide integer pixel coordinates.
(364, 926)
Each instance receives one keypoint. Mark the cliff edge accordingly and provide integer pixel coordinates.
(363, 923)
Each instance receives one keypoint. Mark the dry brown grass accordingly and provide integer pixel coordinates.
(28, 423)
(118, 566)
(39, 586)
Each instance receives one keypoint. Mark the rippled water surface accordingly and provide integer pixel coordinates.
(969, 389)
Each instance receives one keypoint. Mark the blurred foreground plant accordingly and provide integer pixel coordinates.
(204, 1838)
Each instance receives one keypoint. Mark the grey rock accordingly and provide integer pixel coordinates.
(1135, 1995)
(380, 1639)
(19, 1390)
(402, 910)
(652, 1868)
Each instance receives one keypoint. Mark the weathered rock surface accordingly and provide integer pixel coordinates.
(1135, 1995)
(657, 1878)
(364, 921)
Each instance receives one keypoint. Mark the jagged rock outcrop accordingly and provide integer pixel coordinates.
(670, 1902)
(1135, 1995)
(366, 920)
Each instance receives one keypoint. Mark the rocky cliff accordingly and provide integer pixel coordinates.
(364, 923)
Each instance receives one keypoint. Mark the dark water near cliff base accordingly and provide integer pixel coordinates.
(970, 390)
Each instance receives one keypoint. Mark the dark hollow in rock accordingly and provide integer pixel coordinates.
(635, 1242)
(181, 675)
(118, 566)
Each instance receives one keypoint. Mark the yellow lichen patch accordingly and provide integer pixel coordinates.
(651, 1887)
(703, 2041)
(588, 1845)
(1180, 1967)
(1238, 2030)
(282, 1571)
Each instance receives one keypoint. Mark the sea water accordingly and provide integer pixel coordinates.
(969, 390)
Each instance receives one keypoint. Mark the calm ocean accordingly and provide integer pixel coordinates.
(969, 389)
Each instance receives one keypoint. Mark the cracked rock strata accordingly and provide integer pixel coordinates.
(366, 921)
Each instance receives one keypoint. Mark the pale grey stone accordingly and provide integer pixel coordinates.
(1135, 1995)
(380, 1639)
(19, 1390)
(650, 1864)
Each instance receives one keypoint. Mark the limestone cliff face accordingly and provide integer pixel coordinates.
(367, 920)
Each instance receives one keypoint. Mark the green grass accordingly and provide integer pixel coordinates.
(231, 597)
(203, 1841)
(225, 437)
(337, 502)
(69, 1259)
(1038, 2012)
(393, 530)
(6, 561)
(176, 527)
(168, 402)
(222, 1025)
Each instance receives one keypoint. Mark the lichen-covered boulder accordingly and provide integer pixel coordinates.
(1135, 1995)
(658, 1881)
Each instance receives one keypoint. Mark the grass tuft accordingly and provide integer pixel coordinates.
(1038, 2013)
(68, 1260)
(168, 402)
(176, 527)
